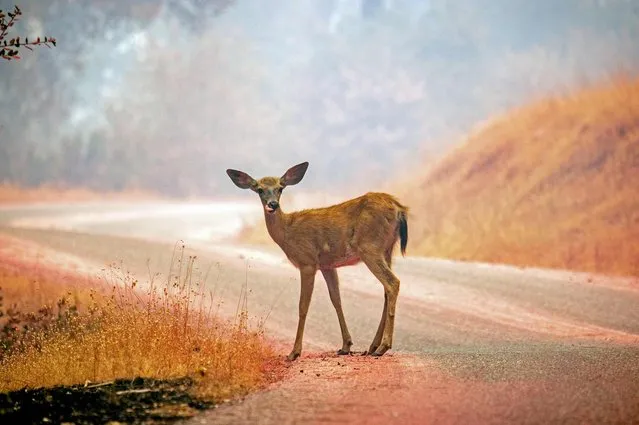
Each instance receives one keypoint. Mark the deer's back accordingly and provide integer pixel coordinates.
(332, 236)
(348, 213)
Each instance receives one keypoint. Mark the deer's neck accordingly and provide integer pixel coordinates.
(276, 225)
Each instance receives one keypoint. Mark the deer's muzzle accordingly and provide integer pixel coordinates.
(271, 206)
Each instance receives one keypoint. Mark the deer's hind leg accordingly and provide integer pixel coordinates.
(378, 265)
(380, 329)
(388, 256)
(332, 281)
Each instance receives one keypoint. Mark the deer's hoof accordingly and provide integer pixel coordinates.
(342, 352)
(293, 356)
(380, 350)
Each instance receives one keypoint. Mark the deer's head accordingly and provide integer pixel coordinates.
(269, 188)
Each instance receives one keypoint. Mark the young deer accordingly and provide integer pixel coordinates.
(361, 229)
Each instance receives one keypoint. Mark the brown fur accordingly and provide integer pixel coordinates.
(364, 229)
(326, 237)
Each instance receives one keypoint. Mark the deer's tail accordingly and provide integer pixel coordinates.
(403, 231)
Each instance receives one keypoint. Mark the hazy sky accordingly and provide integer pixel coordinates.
(357, 87)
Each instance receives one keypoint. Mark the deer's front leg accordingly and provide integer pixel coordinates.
(307, 277)
(332, 281)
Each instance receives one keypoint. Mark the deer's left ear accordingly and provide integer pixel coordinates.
(294, 174)
(241, 179)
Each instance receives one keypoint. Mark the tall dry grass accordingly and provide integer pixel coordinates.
(553, 184)
(164, 329)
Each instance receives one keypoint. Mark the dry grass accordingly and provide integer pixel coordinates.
(163, 330)
(553, 184)
(12, 194)
(29, 289)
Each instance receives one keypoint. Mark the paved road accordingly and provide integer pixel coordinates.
(478, 324)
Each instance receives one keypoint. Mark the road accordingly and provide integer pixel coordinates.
(503, 344)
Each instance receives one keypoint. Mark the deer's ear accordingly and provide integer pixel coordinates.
(294, 174)
(241, 179)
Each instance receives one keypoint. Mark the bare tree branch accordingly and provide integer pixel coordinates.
(9, 50)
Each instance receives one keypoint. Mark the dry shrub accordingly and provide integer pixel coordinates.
(552, 184)
(27, 287)
(165, 330)
(34, 296)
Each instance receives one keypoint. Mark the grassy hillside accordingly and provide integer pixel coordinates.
(554, 184)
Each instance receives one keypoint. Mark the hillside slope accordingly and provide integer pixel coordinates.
(554, 184)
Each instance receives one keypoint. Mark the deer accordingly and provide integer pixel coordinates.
(363, 229)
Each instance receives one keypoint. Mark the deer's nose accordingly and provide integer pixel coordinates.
(273, 205)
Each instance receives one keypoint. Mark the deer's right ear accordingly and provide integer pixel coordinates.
(241, 179)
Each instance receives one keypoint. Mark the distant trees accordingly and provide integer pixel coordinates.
(45, 132)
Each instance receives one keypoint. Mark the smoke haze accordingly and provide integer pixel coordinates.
(166, 95)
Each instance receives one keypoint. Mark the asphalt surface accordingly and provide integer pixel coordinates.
(573, 337)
